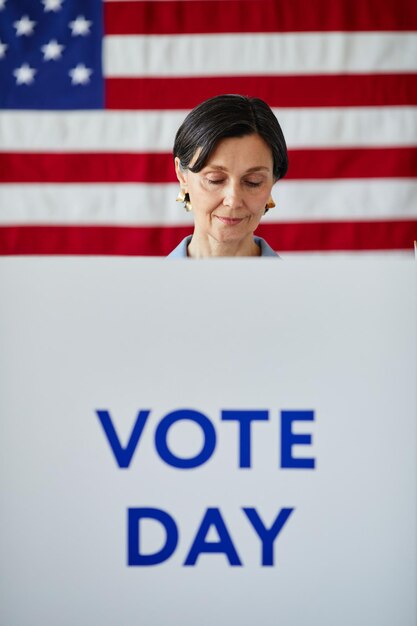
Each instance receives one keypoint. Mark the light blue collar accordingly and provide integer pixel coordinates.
(180, 252)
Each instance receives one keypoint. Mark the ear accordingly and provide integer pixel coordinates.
(181, 174)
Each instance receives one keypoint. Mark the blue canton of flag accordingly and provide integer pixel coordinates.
(50, 54)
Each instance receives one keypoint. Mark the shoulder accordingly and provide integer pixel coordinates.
(180, 252)
(266, 249)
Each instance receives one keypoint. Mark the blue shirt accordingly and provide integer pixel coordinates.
(180, 252)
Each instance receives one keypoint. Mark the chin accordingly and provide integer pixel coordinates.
(229, 237)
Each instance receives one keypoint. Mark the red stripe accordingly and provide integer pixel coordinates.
(152, 241)
(86, 167)
(257, 16)
(100, 167)
(278, 91)
(334, 236)
(90, 240)
(328, 163)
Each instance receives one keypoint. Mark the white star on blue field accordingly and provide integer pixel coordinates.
(50, 54)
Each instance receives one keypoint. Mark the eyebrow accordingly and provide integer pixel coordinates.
(257, 168)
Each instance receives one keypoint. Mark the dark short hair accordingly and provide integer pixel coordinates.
(229, 115)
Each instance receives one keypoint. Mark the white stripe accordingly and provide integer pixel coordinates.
(83, 131)
(140, 204)
(344, 200)
(150, 131)
(349, 127)
(246, 54)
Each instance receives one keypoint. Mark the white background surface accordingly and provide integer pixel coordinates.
(334, 335)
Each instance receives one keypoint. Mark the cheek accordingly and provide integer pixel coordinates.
(258, 204)
(206, 200)
(203, 204)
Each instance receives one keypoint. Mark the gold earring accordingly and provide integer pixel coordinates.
(184, 197)
(270, 204)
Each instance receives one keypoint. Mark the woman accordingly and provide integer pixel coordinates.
(228, 152)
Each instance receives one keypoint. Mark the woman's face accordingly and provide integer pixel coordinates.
(229, 194)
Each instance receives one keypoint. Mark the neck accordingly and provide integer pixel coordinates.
(205, 246)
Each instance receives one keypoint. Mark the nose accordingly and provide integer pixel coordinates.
(233, 196)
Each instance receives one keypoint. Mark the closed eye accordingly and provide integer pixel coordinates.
(250, 183)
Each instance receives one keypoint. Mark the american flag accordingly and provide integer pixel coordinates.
(92, 93)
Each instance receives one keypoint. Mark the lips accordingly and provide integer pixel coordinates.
(230, 221)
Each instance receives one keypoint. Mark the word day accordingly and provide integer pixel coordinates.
(212, 520)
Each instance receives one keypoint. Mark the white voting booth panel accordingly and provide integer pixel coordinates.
(213, 443)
